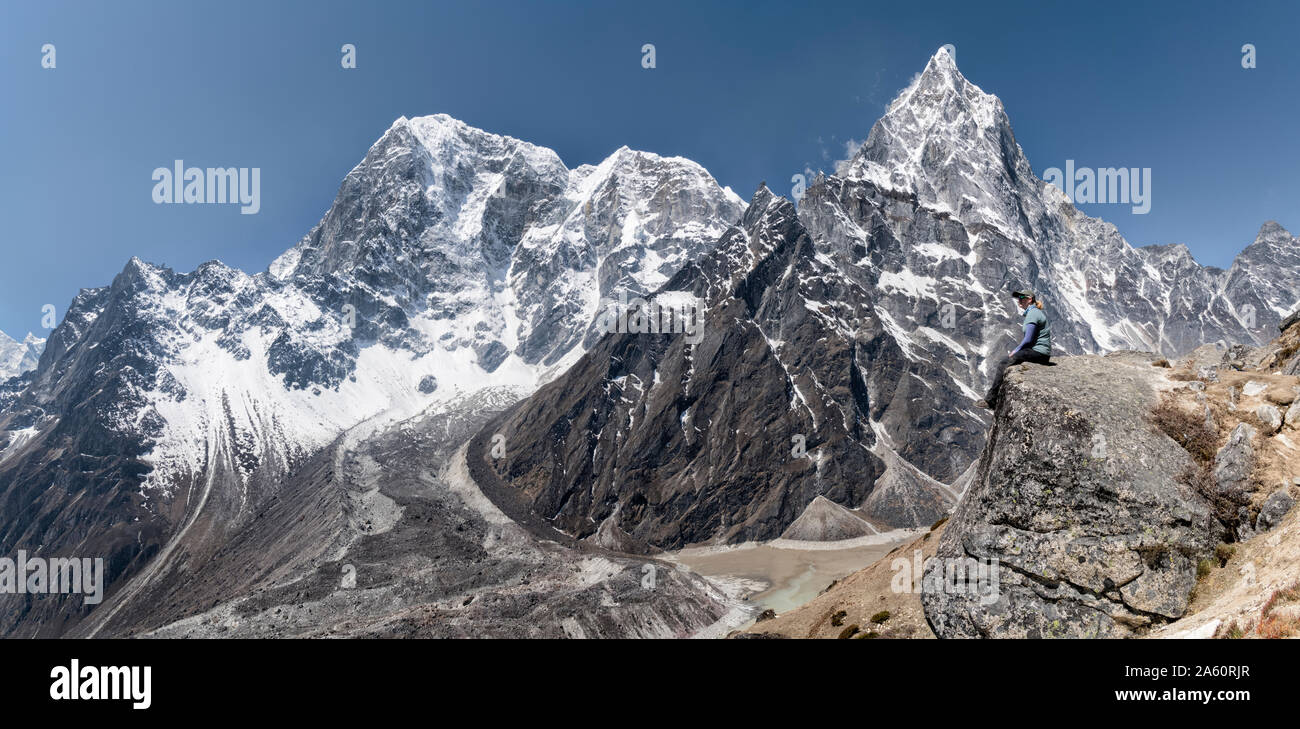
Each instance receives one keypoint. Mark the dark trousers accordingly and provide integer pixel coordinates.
(1024, 355)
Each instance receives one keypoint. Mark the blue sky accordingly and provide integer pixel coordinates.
(752, 90)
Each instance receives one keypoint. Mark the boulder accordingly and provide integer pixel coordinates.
(1270, 417)
(1079, 508)
(1235, 460)
(1273, 510)
(1293, 415)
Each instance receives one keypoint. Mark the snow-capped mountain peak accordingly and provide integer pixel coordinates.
(949, 143)
(871, 317)
(19, 357)
(452, 259)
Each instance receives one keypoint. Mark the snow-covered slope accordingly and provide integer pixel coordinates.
(945, 150)
(868, 325)
(19, 357)
(452, 260)
(940, 216)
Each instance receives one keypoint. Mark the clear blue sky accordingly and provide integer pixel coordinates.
(752, 90)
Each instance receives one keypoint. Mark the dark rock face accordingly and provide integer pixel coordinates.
(690, 443)
(897, 275)
(1078, 502)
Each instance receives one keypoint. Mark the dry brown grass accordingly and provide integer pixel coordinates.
(1186, 427)
(1277, 619)
(1233, 631)
(1189, 429)
(1275, 624)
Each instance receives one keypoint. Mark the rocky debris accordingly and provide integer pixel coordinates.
(1292, 419)
(1235, 461)
(447, 565)
(1283, 354)
(1239, 461)
(1241, 597)
(1237, 356)
(1077, 501)
(904, 494)
(610, 536)
(428, 384)
(827, 521)
(1270, 417)
(1205, 360)
(1275, 507)
(730, 437)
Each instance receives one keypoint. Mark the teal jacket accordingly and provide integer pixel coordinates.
(1038, 333)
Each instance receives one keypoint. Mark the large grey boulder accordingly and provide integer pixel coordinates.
(1078, 502)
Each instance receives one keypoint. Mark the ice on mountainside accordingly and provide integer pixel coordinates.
(19, 357)
(449, 252)
(868, 325)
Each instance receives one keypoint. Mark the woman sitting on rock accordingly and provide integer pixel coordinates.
(1036, 347)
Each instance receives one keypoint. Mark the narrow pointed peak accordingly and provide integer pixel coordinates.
(1272, 229)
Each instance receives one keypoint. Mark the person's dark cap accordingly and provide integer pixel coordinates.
(1022, 292)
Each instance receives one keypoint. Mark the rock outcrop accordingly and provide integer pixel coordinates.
(1079, 504)
(1106, 484)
